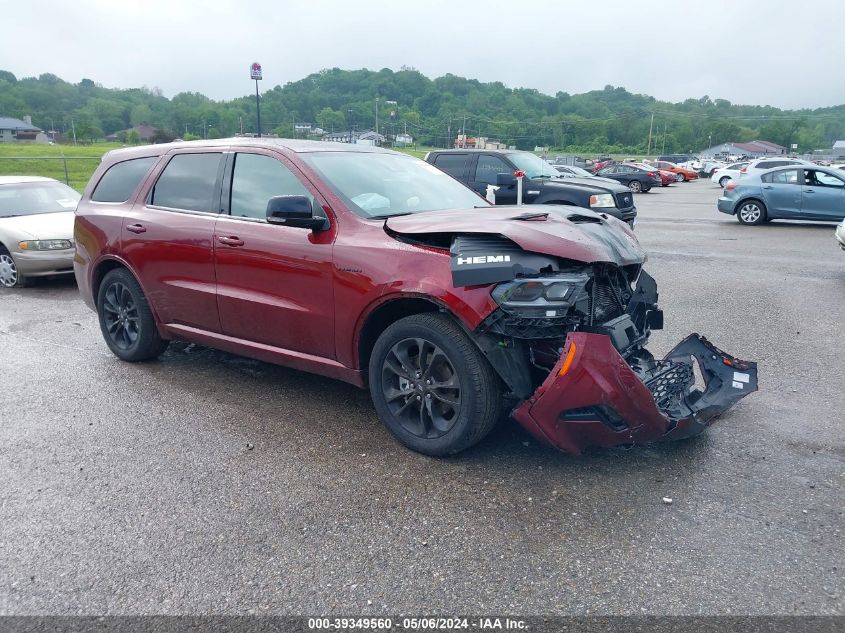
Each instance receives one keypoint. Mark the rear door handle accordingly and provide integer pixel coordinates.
(768, 187)
(136, 228)
(230, 240)
(809, 191)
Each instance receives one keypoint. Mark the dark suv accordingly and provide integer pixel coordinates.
(543, 184)
(375, 268)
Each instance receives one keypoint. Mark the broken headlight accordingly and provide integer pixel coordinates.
(540, 297)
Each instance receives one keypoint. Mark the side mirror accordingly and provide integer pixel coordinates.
(293, 211)
(505, 180)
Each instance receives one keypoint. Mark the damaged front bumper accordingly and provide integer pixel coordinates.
(595, 397)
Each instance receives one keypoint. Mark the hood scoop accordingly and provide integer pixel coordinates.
(576, 218)
(531, 217)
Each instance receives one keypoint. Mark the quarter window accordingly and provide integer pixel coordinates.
(488, 167)
(189, 182)
(258, 178)
(122, 179)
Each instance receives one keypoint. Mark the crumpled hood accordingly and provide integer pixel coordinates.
(568, 232)
(42, 226)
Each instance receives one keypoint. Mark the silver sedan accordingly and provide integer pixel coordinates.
(36, 228)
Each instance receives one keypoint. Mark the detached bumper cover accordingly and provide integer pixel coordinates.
(593, 397)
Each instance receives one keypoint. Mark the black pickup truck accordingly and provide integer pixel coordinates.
(542, 183)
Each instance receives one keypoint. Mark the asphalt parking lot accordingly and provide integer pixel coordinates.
(132, 489)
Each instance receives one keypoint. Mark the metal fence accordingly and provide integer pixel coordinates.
(72, 170)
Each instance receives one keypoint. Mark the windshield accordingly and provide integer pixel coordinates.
(533, 165)
(32, 198)
(383, 185)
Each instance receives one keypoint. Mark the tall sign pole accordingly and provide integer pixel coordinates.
(255, 73)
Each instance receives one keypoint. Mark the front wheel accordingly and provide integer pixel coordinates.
(126, 320)
(679, 178)
(432, 387)
(635, 186)
(9, 275)
(751, 212)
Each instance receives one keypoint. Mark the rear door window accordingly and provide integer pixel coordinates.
(785, 177)
(190, 182)
(452, 164)
(489, 167)
(122, 179)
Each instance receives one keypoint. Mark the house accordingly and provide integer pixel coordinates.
(753, 149)
(838, 150)
(477, 143)
(347, 136)
(402, 139)
(370, 138)
(20, 131)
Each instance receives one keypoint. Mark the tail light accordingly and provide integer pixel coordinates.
(730, 186)
(652, 174)
(744, 170)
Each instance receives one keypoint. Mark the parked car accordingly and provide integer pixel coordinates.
(840, 235)
(681, 174)
(601, 163)
(635, 178)
(760, 165)
(36, 229)
(375, 268)
(666, 177)
(790, 193)
(723, 175)
(574, 161)
(480, 169)
(569, 171)
(676, 158)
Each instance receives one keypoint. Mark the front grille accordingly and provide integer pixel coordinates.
(669, 383)
(624, 200)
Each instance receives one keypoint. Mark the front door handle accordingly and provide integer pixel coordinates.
(136, 228)
(230, 240)
(768, 187)
(809, 191)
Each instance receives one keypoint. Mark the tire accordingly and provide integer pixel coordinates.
(723, 181)
(126, 320)
(751, 212)
(680, 178)
(419, 415)
(635, 186)
(9, 276)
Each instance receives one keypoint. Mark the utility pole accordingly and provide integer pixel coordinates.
(72, 127)
(663, 151)
(256, 73)
(465, 131)
(376, 141)
(448, 134)
(650, 127)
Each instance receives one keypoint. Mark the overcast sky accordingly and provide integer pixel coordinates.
(778, 52)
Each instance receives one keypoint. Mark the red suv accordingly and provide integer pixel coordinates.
(375, 268)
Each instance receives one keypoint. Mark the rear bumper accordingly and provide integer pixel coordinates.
(725, 205)
(593, 397)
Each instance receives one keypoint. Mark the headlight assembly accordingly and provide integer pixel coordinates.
(45, 245)
(602, 200)
(540, 297)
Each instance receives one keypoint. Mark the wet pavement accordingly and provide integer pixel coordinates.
(209, 483)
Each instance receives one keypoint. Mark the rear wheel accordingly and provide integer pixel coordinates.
(723, 181)
(431, 386)
(126, 320)
(635, 186)
(680, 178)
(751, 212)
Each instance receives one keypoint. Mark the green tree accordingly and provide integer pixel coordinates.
(132, 137)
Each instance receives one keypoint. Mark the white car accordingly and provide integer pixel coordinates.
(840, 234)
(36, 229)
(760, 165)
(723, 175)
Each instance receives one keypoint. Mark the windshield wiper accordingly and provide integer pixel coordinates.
(389, 215)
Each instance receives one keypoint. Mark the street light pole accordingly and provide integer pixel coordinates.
(257, 108)
(376, 141)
